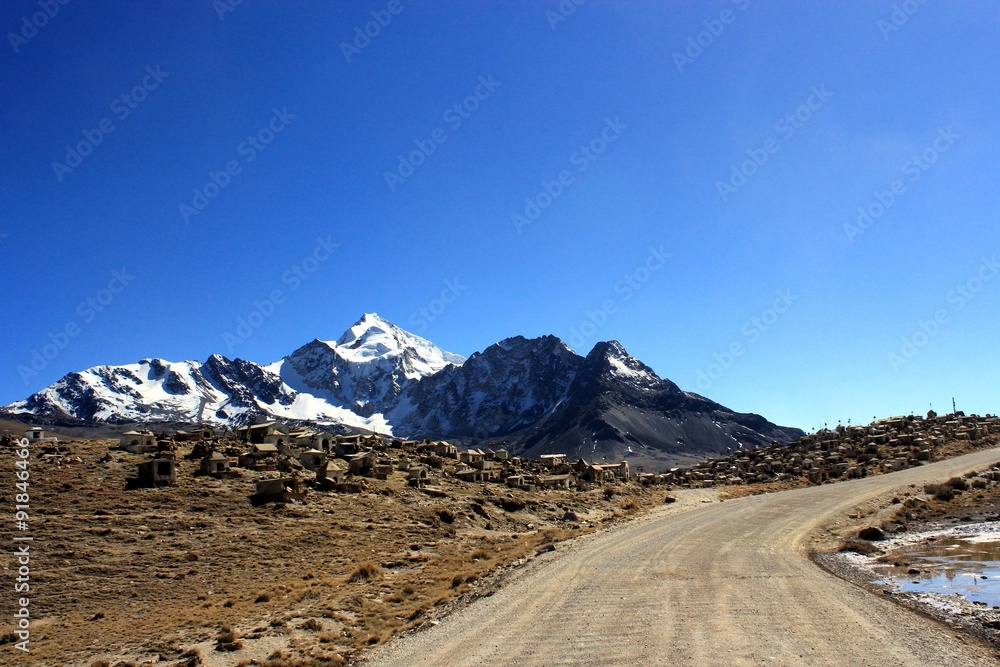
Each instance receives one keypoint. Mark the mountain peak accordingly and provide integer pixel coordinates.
(369, 322)
(613, 360)
(610, 348)
(373, 337)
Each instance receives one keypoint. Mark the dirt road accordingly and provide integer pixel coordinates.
(726, 584)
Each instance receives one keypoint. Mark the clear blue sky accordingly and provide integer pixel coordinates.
(834, 99)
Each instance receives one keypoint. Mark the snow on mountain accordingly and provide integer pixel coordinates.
(372, 339)
(367, 369)
(150, 389)
(617, 363)
(350, 381)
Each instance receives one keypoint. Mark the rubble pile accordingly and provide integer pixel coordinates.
(848, 452)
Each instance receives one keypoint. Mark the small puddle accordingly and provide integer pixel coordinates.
(963, 560)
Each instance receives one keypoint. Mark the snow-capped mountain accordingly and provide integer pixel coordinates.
(535, 395)
(366, 369)
(351, 381)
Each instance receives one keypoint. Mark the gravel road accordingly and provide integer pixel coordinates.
(723, 584)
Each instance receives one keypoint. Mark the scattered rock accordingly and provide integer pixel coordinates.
(871, 533)
(510, 504)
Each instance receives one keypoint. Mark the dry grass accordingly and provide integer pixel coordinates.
(942, 492)
(178, 563)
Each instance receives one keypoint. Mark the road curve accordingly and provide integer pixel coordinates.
(726, 584)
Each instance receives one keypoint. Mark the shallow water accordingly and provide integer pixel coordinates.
(967, 564)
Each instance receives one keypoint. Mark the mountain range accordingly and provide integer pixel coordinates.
(533, 395)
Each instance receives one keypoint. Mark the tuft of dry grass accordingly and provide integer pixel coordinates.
(367, 571)
(312, 625)
(942, 492)
(958, 484)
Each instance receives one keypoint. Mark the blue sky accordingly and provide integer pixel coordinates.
(217, 156)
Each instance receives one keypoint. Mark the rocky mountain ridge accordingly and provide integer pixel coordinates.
(532, 395)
